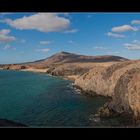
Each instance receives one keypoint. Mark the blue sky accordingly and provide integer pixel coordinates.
(32, 36)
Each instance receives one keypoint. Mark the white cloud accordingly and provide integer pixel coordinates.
(114, 35)
(71, 31)
(99, 48)
(4, 14)
(23, 41)
(135, 22)
(65, 14)
(44, 22)
(135, 45)
(71, 42)
(45, 42)
(124, 28)
(7, 47)
(136, 41)
(113, 52)
(43, 50)
(4, 31)
(4, 37)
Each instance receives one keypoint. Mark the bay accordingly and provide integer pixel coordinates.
(39, 100)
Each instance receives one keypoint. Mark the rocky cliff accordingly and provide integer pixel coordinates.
(121, 82)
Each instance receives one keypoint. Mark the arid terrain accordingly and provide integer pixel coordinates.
(111, 76)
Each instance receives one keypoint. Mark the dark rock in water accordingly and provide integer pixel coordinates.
(8, 123)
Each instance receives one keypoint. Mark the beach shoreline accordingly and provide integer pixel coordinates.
(35, 70)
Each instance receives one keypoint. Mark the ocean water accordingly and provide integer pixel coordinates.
(39, 100)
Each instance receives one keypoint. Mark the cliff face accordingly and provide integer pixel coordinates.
(126, 97)
(120, 81)
(92, 82)
(68, 69)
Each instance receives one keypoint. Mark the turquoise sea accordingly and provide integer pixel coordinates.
(39, 100)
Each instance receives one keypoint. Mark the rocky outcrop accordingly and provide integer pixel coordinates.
(121, 82)
(126, 98)
(68, 69)
(17, 67)
(13, 67)
(92, 82)
(102, 80)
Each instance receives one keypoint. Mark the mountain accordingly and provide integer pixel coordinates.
(71, 57)
(66, 57)
(65, 60)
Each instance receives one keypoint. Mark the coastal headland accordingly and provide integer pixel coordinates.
(112, 76)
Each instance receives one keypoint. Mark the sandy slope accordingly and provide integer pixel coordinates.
(35, 70)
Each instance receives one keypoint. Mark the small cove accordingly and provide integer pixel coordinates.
(39, 100)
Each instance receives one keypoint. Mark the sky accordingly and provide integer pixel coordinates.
(26, 37)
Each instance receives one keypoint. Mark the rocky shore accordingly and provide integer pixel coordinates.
(120, 82)
(110, 76)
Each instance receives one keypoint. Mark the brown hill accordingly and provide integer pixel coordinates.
(65, 57)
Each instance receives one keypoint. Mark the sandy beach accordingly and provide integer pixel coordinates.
(35, 70)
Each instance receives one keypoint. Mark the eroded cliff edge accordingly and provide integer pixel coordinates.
(121, 82)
